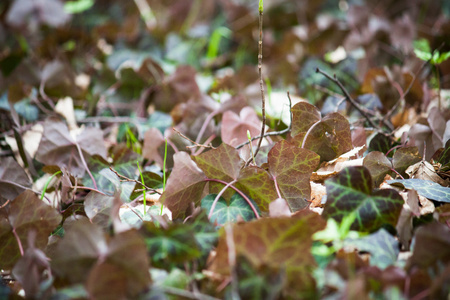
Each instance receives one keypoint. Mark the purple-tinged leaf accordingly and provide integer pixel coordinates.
(185, 185)
(378, 165)
(13, 179)
(24, 214)
(291, 168)
(329, 137)
(405, 157)
(351, 191)
(258, 185)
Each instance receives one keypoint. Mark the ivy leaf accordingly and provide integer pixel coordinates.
(258, 185)
(329, 137)
(291, 168)
(276, 242)
(222, 163)
(426, 188)
(24, 214)
(224, 212)
(172, 245)
(185, 185)
(405, 157)
(382, 247)
(57, 146)
(378, 165)
(351, 191)
(11, 172)
(205, 233)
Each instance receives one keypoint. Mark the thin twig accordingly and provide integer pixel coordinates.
(272, 133)
(193, 142)
(4, 204)
(86, 166)
(204, 125)
(261, 86)
(347, 95)
(124, 178)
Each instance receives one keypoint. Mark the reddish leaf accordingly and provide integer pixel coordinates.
(222, 163)
(78, 251)
(304, 115)
(258, 185)
(291, 168)
(25, 213)
(11, 172)
(152, 140)
(57, 147)
(329, 137)
(378, 165)
(432, 246)
(405, 157)
(276, 242)
(234, 127)
(185, 185)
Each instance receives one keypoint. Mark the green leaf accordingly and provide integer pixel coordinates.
(382, 246)
(426, 188)
(276, 243)
(422, 49)
(442, 57)
(170, 246)
(291, 168)
(24, 214)
(224, 212)
(351, 191)
(185, 185)
(78, 6)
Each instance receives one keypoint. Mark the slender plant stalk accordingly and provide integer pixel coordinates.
(164, 170)
(47, 183)
(249, 136)
(142, 179)
(261, 82)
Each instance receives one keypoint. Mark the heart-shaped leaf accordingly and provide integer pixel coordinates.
(185, 185)
(12, 174)
(291, 168)
(351, 191)
(258, 185)
(222, 163)
(378, 165)
(276, 242)
(24, 214)
(224, 212)
(329, 137)
(57, 146)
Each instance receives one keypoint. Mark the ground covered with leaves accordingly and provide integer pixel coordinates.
(132, 164)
